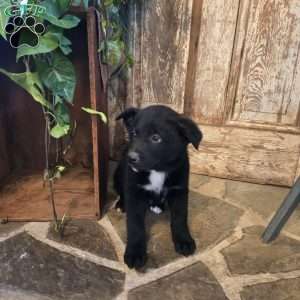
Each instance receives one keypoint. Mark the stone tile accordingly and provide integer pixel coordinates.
(208, 186)
(195, 282)
(160, 246)
(11, 293)
(7, 228)
(286, 289)
(251, 256)
(86, 235)
(262, 199)
(211, 220)
(198, 180)
(30, 265)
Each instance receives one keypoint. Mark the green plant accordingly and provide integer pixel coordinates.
(95, 112)
(113, 49)
(49, 76)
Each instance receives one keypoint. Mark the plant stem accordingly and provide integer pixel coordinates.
(48, 175)
(50, 181)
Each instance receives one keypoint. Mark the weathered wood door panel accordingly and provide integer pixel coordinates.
(254, 91)
(160, 47)
(268, 86)
(247, 154)
(240, 83)
(209, 67)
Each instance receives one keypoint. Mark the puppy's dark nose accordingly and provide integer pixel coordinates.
(133, 157)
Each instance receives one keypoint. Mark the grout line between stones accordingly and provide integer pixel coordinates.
(248, 280)
(259, 220)
(115, 238)
(122, 296)
(212, 258)
(39, 232)
(134, 280)
(12, 234)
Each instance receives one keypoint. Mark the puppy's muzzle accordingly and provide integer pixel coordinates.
(133, 157)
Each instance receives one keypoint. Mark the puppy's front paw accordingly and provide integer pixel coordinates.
(135, 259)
(185, 247)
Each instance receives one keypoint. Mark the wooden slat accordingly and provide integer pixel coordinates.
(161, 46)
(216, 32)
(268, 84)
(247, 155)
(99, 130)
(4, 157)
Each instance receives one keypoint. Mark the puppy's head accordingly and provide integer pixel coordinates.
(158, 137)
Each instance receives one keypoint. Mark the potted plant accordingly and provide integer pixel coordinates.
(37, 29)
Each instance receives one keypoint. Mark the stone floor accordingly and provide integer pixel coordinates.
(226, 219)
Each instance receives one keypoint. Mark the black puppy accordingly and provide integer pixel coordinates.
(153, 171)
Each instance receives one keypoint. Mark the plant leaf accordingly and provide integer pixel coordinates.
(59, 131)
(85, 4)
(3, 17)
(79, 2)
(47, 43)
(62, 113)
(66, 22)
(95, 112)
(52, 8)
(54, 14)
(66, 50)
(58, 172)
(76, 2)
(60, 168)
(63, 5)
(29, 82)
(113, 51)
(65, 45)
(58, 76)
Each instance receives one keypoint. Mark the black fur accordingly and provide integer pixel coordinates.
(158, 141)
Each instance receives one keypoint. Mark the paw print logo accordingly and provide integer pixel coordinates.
(24, 32)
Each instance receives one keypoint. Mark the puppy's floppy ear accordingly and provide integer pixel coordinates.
(128, 116)
(190, 131)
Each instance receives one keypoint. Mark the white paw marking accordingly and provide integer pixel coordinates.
(156, 182)
(156, 209)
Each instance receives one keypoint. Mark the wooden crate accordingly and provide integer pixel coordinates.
(81, 192)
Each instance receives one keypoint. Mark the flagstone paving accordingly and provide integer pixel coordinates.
(286, 289)
(33, 266)
(86, 235)
(250, 256)
(194, 282)
(226, 219)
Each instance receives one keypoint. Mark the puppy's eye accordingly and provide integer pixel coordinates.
(155, 138)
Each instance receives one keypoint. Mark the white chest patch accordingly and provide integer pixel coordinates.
(156, 182)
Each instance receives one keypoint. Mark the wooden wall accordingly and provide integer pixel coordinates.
(232, 66)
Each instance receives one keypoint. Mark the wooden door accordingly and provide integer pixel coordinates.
(233, 66)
